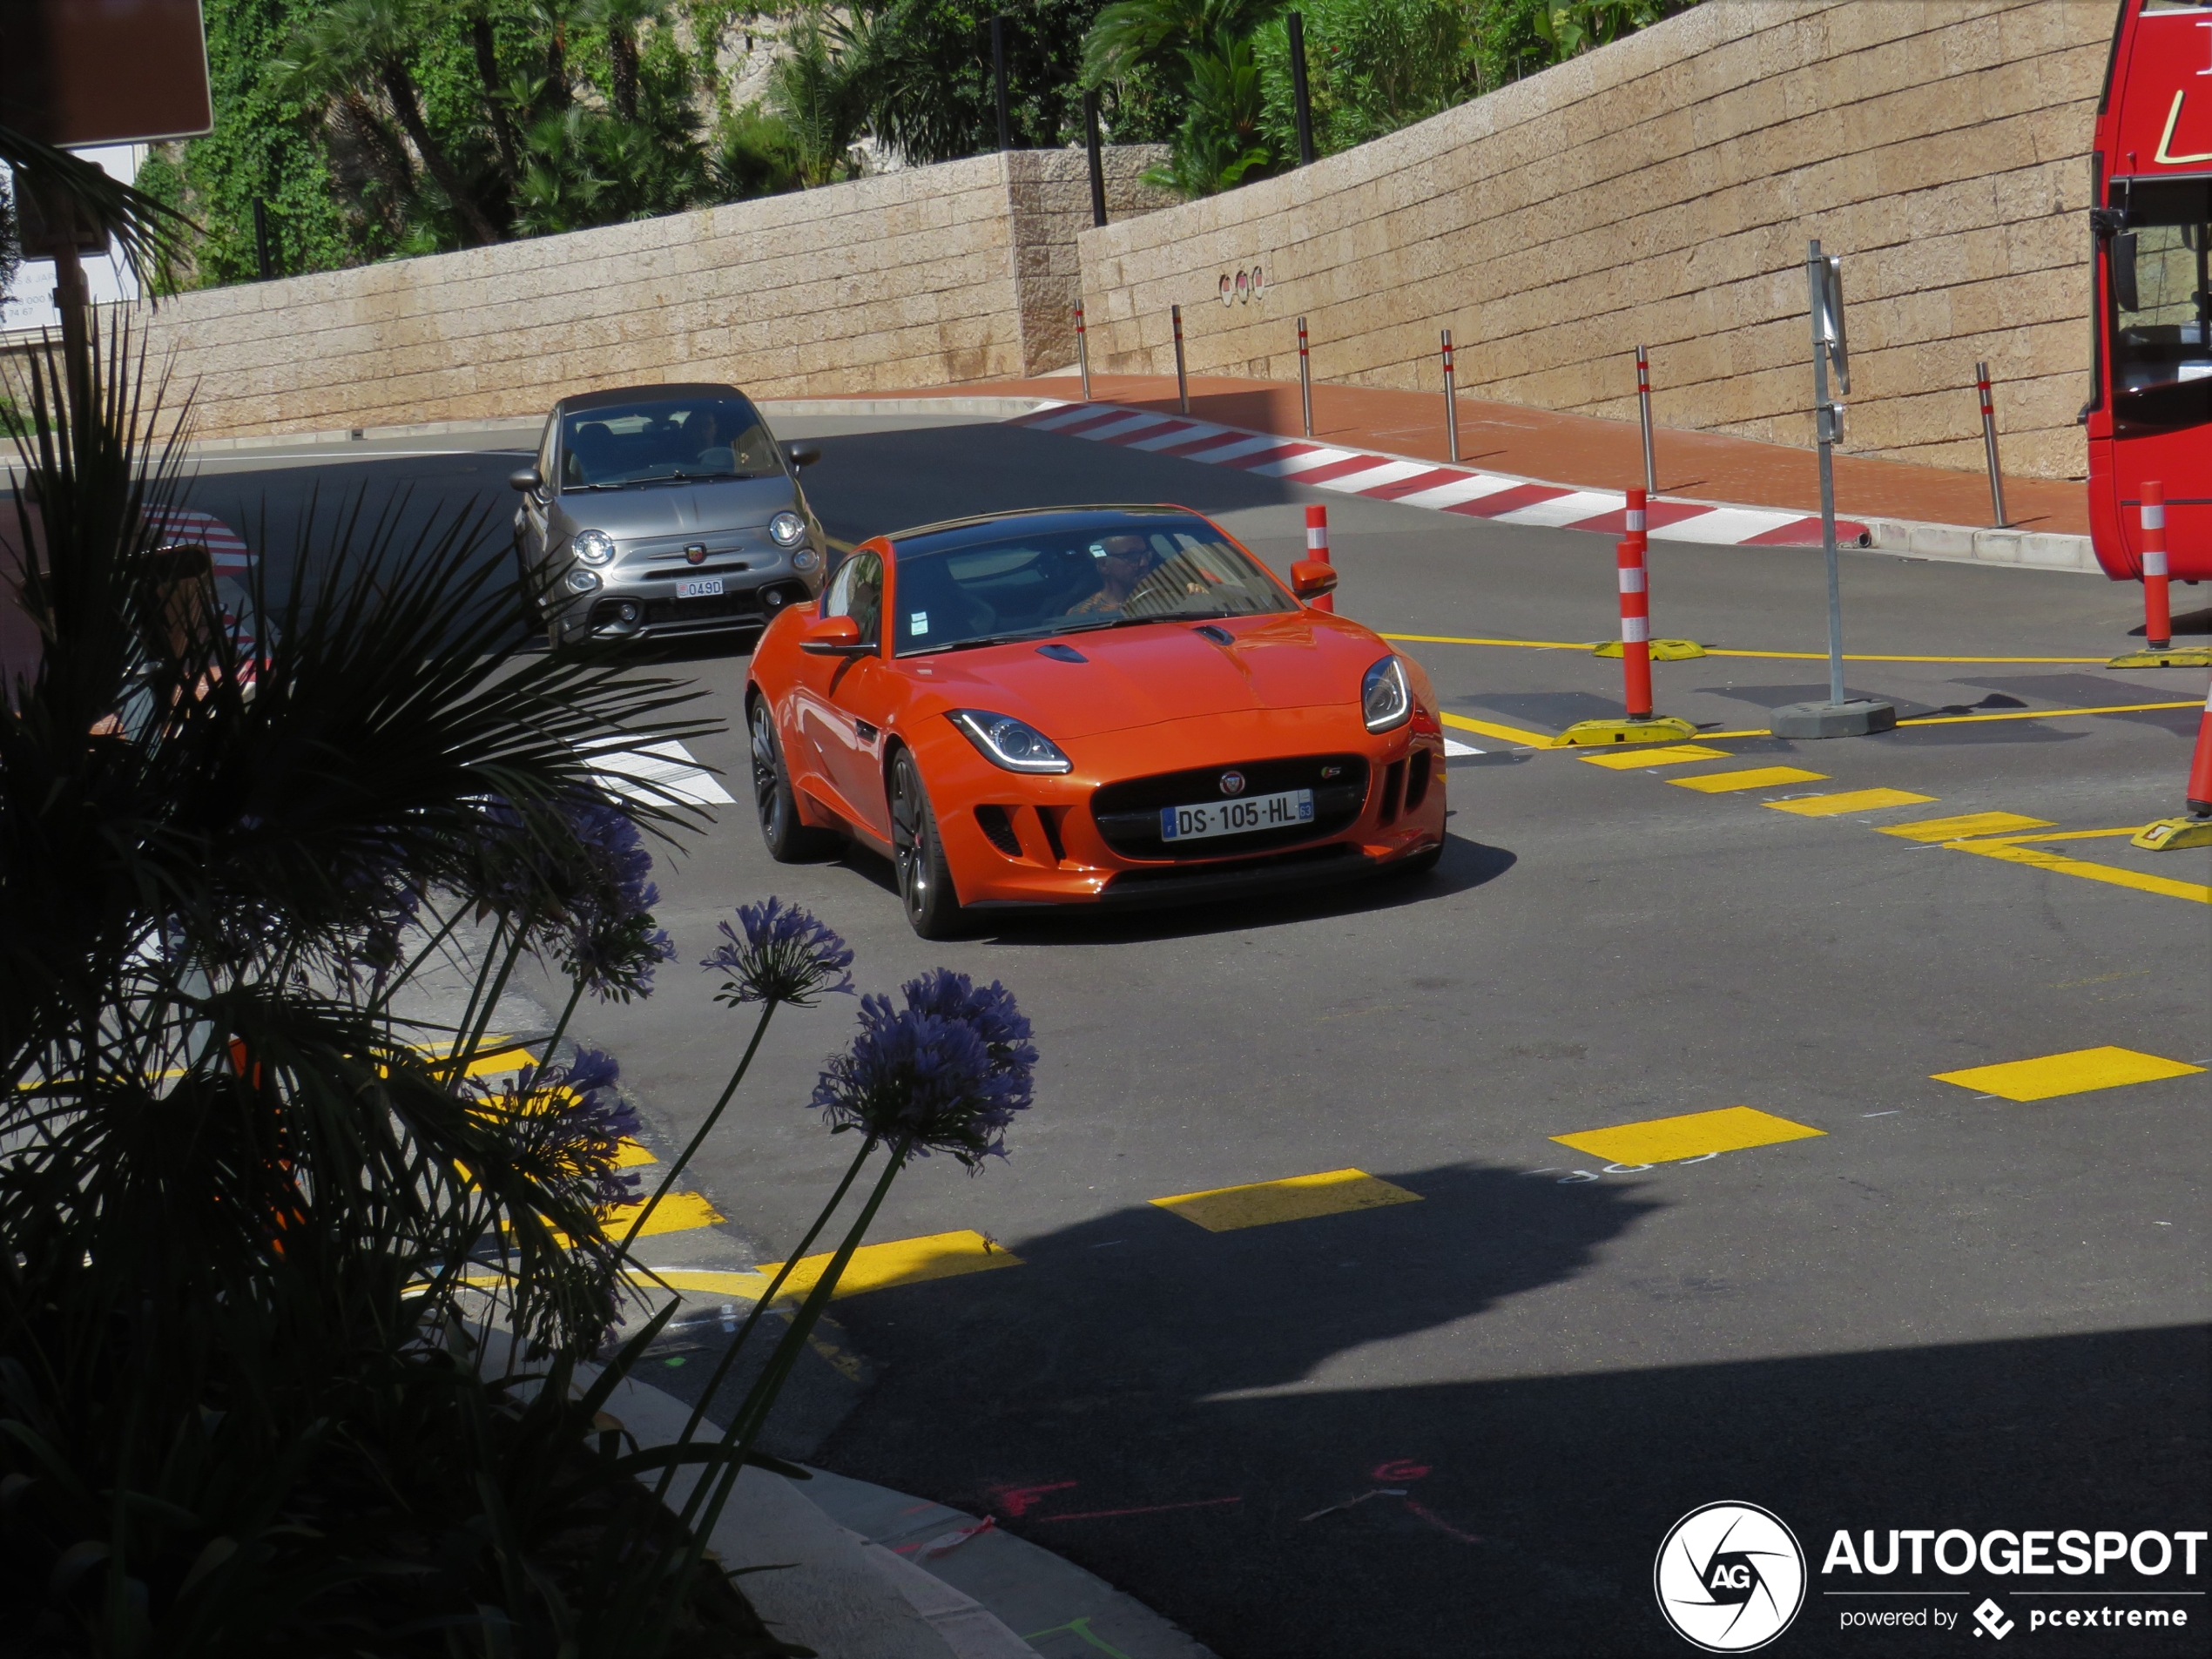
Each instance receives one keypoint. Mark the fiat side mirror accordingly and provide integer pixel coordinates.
(1310, 578)
(833, 636)
(526, 480)
(802, 455)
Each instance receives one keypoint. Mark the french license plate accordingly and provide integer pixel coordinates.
(699, 587)
(1283, 811)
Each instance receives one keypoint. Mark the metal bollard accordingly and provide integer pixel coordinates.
(1451, 405)
(1082, 354)
(1304, 379)
(1989, 446)
(1182, 379)
(2158, 621)
(1635, 627)
(1643, 413)
(1317, 547)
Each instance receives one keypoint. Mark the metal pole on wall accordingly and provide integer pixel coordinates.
(1304, 379)
(998, 74)
(1181, 380)
(1301, 100)
(1989, 446)
(1082, 354)
(1838, 717)
(1097, 161)
(1643, 413)
(1451, 405)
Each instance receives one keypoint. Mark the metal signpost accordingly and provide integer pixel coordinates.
(1838, 717)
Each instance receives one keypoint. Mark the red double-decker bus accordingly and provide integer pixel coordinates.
(2150, 414)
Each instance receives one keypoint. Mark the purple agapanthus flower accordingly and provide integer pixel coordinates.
(786, 956)
(945, 1074)
(574, 1117)
(578, 881)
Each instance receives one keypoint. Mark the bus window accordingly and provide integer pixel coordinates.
(2161, 336)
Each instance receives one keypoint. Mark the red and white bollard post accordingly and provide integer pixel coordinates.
(1317, 547)
(2158, 619)
(1451, 405)
(2199, 795)
(1636, 624)
(1305, 379)
(1636, 521)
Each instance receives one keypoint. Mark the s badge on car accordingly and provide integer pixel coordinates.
(1232, 783)
(695, 554)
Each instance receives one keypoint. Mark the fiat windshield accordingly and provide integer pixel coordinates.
(665, 440)
(992, 584)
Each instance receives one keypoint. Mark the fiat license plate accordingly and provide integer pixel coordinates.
(1284, 811)
(699, 587)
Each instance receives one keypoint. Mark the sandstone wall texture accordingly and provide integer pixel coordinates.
(1662, 190)
(962, 271)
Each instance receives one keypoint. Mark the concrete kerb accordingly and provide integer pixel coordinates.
(1955, 543)
(992, 407)
(856, 1576)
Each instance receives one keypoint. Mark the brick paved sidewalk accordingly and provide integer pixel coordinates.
(1579, 449)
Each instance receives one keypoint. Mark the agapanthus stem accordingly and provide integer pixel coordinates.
(767, 1300)
(561, 1026)
(745, 1428)
(638, 1221)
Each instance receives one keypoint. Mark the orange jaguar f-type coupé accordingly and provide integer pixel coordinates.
(1111, 705)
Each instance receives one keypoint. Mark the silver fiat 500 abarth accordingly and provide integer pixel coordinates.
(658, 510)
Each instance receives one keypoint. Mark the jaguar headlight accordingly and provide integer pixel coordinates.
(592, 547)
(787, 530)
(1385, 701)
(1012, 743)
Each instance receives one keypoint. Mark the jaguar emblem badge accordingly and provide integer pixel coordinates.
(695, 554)
(1232, 783)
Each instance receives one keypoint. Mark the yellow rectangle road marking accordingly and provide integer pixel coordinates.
(1265, 1203)
(1490, 729)
(1949, 829)
(1851, 800)
(630, 1155)
(2059, 864)
(1721, 783)
(2075, 1073)
(877, 1267)
(678, 1212)
(1661, 1140)
(1673, 757)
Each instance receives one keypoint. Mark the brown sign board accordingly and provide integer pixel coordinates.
(76, 73)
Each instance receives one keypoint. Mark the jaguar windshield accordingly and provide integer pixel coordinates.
(665, 440)
(1072, 573)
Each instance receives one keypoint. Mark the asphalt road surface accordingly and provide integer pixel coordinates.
(1460, 1421)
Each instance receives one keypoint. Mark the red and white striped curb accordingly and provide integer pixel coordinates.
(1424, 483)
(227, 550)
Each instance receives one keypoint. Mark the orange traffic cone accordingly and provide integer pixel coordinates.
(2170, 834)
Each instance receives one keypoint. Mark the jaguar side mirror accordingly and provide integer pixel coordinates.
(833, 636)
(1310, 578)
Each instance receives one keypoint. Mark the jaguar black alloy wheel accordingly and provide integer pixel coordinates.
(925, 881)
(788, 841)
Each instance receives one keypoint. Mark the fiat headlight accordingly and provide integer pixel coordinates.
(593, 547)
(1384, 699)
(787, 530)
(1012, 743)
(804, 559)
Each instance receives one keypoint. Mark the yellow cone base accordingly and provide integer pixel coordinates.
(1663, 651)
(1589, 734)
(2172, 834)
(2174, 657)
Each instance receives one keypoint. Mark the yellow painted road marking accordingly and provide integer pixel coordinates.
(2065, 835)
(1631, 759)
(2075, 1073)
(1949, 829)
(1711, 650)
(2039, 714)
(2058, 864)
(1263, 1202)
(1722, 783)
(1661, 1140)
(629, 1155)
(1488, 729)
(1851, 800)
(873, 1267)
(678, 1212)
